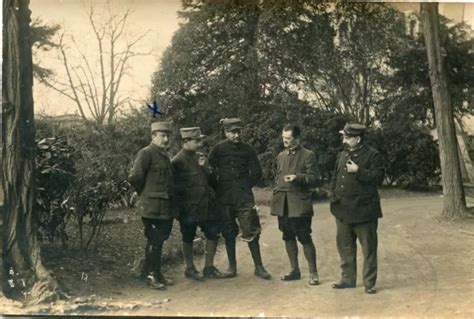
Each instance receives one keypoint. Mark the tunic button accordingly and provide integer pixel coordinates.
(342, 186)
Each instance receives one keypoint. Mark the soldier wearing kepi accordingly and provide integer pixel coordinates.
(355, 204)
(193, 197)
(152, 178)
(296, 173)
(236, 169)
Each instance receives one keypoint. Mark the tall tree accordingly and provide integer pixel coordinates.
(210, 70)
(334, 55)
(24, 276)
(93, 82)
(454, 202)
(409, 96)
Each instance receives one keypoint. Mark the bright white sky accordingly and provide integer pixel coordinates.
(160, 16)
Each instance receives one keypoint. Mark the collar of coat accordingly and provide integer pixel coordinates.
(159, 149)
(293, 150)
(356, 150)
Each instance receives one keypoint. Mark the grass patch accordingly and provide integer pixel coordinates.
(118, 255)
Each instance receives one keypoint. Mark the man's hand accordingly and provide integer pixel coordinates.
(351, 166)
(289, 178)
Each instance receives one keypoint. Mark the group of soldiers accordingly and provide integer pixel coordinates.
(216, 196)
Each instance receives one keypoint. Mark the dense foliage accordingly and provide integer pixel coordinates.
(83, 171)
(271, 62)
(318, 65)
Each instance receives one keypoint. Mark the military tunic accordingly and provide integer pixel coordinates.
(152, 178)
(191, 188)
(236, 169)
(194, 197)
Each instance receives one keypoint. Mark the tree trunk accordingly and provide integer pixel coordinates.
(454, 202)
(24, 276)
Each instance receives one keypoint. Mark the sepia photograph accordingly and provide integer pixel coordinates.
(237, 158)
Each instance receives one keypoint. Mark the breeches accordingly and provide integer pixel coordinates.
(248, 221)
(295, 227)
(157, 230)
(210, 228)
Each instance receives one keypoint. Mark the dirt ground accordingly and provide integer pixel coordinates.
(425, 269)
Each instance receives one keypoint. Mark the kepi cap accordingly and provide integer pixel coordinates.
(353, 130)
(191, 133)
(161, 126)
(231, 123)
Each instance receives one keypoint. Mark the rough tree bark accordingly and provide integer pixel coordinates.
(24, 276)
(454, 202)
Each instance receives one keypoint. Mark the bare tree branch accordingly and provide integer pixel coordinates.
(99, 96)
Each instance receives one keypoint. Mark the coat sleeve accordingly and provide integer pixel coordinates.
(213, 174)
(255, 168)
(137, 176)
(311, 176)
(332, 185)
(179, 188)
(374, 173)
(277, 169)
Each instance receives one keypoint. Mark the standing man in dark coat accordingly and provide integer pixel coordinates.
(296, 173)
(236, 170)
(355, 204)
(193, 197)
(152, 178)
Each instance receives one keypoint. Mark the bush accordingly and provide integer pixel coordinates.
(411, 155)
(103, 157)
(55, 174)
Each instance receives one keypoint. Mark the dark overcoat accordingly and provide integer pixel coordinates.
(193, 193)
(152, 178)
(301, 162)
(354, 196)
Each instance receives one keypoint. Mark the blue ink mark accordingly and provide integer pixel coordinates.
(154, 109)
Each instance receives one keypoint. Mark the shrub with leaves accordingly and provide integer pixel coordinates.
(411, 155)
(55, 175)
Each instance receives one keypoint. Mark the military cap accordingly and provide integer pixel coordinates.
(191, 133)
(161, 126)
(231, 124)
(353, 130)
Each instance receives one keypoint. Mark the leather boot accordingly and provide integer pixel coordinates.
(147, 266)
(153, 262)
(292, 251)
(310, 254)
(231, 256)
(211, 247)
(209, 270)
(190, 271)
(187, 249)
(260, 271)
